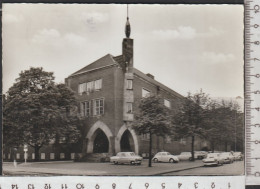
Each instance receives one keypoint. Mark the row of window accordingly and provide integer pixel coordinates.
(146, 93)
(92, 107)
(42, 156)
(90, 86)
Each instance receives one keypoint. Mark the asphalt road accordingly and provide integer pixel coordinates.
(158, 169)
(236, 168)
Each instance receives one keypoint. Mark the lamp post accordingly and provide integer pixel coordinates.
(15, 163)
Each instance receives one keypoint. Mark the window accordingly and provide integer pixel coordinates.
(82, 88)
(167, 103)
(90, 86)
(33, 155)
(72, 155)
(85, 108)
(145, 93)
(62, 155)
(98, 84)
(129, 84)
(52, 156)
(18, 156)
(42, 155)
(129, 107)
(98, 106)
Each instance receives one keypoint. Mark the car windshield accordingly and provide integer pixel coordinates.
(132, 154)
(185, 153)
(212, 155)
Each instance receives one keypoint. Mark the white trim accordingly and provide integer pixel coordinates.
(91, 135)
(119, 136)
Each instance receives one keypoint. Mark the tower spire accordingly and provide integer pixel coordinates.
(127, 26)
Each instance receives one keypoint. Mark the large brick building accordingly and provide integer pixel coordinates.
(108, 91)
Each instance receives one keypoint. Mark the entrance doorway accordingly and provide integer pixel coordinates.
(101, 143)
(127, 142)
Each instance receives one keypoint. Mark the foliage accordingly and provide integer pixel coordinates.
(189, 121)
(153, 119)
(36, 110)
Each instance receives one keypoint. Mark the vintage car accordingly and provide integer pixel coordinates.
(186, 156)
(165, 157)
(126, 157)
(200, 154)
(213, 159)
(228, 157)
(238, 156)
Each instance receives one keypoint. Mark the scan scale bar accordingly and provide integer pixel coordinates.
(252, 92)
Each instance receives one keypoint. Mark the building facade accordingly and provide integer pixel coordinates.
(109, 91)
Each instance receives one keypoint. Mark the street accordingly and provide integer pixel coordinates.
(236, 168)
(106, 169)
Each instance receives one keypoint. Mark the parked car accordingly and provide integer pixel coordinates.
(213, 159)
(186, 156)
(126, 157)
(238, 156)
(200, 154)
(165, 157)
(228, 157)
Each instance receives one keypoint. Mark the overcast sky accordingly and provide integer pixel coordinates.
(186, 47)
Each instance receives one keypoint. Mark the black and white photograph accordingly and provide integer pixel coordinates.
(123, 90)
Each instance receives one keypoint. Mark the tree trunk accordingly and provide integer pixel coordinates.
(150, 150)
(192, 148)
(226, 145)
(36, 152)
(212, 147)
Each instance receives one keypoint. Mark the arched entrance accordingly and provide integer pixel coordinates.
(101, 143)
(99, 138)
(127, 142)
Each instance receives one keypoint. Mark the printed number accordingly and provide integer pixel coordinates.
(212, 185)
(196, 185)
(130, 186)
(256, 59)
(113, 185)
(97, 186)
(179, 185)
(163, 185)
(256, 26)
(146, 185)
(257, 174)
(79, 186)
(256, 8)
(229, 185)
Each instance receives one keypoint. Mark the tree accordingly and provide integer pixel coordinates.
(37, 110)
(189, 120)
(224, 124)
(153, 119)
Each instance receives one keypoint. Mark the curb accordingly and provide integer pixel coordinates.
(177, 170)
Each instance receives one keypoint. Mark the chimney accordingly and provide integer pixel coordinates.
(150, 75)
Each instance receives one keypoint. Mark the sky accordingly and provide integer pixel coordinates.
(186, 47)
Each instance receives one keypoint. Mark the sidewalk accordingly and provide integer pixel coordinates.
(105, 169)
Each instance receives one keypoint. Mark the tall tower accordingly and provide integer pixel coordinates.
(129, 76)
(127, 46)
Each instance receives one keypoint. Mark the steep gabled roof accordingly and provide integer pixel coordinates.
(153, 81)
(104, 61)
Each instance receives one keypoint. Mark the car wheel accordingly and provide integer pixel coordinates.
(175, 161)
(155, 160)
(132, 163)
(115, 162)
(190, 158)
(171, 160)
